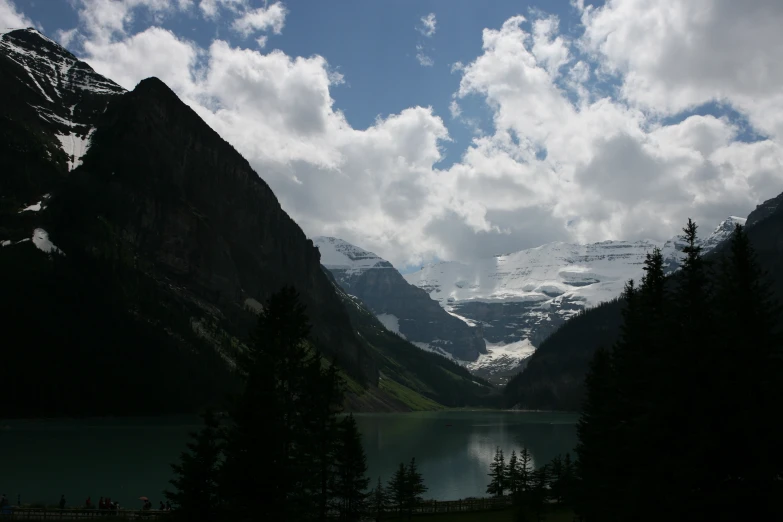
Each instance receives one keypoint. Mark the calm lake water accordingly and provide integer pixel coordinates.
(129, 458)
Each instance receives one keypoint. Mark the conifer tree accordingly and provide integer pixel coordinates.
(398, 488)
(275, 421)
(539, 492)
(497, 473)
(379, 500)
(748, 358)
(350, 481)
(415, 487)
(569, 480)
(525, 470)
(595, 474)
(325, 392)
(196, 495)
(512, 474)
(556, 477)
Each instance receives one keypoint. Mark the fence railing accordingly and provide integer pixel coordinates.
(424, 508)
(456, 506)
(80, 514)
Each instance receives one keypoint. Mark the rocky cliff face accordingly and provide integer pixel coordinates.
(401, 307)
(203, 217)
(138, 186)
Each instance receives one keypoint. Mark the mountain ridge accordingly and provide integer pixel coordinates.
(402, 308)
(553, 376)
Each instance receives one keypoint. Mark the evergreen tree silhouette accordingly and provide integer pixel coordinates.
(415, 487)
(398, 488)
(195, 496)
(556, 478)
(497, 473)
(525, 470)
(511, 478)
(350, 472)
(569, 480)
(379, 500)
(749, 358)
(596, 479)
(539, 492)
(274, 452)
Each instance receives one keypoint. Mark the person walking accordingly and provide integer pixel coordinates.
(88, 503)
(62, 501)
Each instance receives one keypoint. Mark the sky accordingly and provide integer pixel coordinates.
(456, 129)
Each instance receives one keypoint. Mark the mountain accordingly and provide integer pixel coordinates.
(136, 245)
(418, 378)
(519, 299)
(553, 377)
(401, 307)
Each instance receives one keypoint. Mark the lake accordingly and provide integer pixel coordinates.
(129, 458)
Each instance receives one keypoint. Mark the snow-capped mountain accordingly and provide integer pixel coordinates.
(64, 92)
(337, 254)
(519, 299)
(401, 307)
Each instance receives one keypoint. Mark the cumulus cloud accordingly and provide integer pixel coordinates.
(427, 25)
(672, 55)
(12, 18)
(261, 19)
(563, 160)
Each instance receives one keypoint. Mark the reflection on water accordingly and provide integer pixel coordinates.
(129, 458)
(454, 449)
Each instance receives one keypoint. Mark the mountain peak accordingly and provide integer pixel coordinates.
(342, 255)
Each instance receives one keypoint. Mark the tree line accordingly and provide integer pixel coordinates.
(532, 490)
(283, 451)
(683, 418)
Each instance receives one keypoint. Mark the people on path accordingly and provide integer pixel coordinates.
(62, 501)
(162, 507)
(88, 503)
(3, 501)
(168, 506)
(101, 505)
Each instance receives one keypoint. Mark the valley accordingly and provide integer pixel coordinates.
(378, 261)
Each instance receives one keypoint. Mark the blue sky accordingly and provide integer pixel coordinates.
(372, 43)
(582, 121)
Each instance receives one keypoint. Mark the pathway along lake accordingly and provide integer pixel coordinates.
(129, 458)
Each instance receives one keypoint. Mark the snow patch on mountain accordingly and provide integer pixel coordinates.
(338, 254)
(502, 356)
(391, 323)
(433, 348)
(75, 147)
(35, 207)
(42, 242)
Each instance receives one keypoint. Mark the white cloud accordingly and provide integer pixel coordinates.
(67, 37)
(455, 109)
(562, 161)
(12, 18)
(424, 60)
(103, 20)
(427, 25)
(673, 55)
(261, 19)
(211, 8)
(261, 41)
